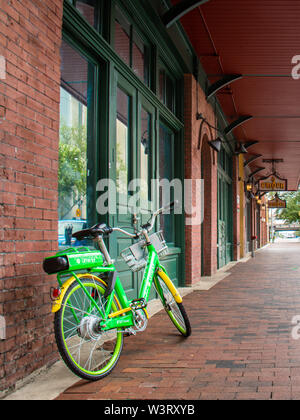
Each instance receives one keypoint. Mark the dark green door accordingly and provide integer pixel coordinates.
(225, 210)
(132, 168)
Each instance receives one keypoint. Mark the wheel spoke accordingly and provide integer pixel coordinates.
(89, 351)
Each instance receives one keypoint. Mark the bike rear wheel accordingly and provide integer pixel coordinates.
(175, 311)
(88, 352)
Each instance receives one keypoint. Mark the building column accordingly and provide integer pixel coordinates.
(196, 143)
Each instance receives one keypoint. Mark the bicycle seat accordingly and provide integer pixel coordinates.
(97, 230)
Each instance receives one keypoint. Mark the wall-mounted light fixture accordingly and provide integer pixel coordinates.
(216, 144)
(249, 186)
(240, 149)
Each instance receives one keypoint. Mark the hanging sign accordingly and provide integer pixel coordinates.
(277, 203)
(272, 183)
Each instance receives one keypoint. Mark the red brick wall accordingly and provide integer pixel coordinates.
(30, 36)
(192, 160)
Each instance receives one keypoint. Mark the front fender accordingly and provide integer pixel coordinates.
(163, 275)
(58, 302)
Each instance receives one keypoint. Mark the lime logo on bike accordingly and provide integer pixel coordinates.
(78, 261)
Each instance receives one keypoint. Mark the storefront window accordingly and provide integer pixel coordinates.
(77, 79)
(90, 10)
(122, 37)
(122, 129)
(167, 88)
(130, 47)
(139, 58)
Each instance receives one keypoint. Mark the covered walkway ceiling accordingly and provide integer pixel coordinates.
(257, 40)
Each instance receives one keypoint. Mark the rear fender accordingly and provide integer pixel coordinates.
(58, 302)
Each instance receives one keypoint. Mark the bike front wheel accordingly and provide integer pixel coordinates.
(88, 352)
(175, 311)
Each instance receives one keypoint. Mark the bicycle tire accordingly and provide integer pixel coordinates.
(74, 338)
(175, 311)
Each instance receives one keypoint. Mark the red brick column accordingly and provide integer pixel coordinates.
(30, 37)
(192, 159)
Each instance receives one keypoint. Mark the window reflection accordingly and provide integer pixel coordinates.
(145, 155)
(122, 36)
(166, 89)
(122, 132)
(90, 10)
(139, 58)
(130, 47)
(75, 110)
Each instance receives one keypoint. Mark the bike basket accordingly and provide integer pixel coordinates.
(136, 255)
(158, 241)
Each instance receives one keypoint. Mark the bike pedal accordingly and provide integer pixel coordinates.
(129, 333)
(138, 304)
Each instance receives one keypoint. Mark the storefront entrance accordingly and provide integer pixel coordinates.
(225, 210)
(120, 122)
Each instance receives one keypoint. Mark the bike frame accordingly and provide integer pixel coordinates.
(123, 318)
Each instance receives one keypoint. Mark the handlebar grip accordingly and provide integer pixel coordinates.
(169, 206)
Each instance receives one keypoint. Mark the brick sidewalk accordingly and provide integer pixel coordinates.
(241, 345)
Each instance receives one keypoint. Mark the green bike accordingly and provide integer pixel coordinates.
(92, 311)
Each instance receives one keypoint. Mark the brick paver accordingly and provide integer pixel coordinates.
(241, 345)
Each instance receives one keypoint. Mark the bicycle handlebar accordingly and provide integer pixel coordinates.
(149, 226)
(131, 235)
(157, 213)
